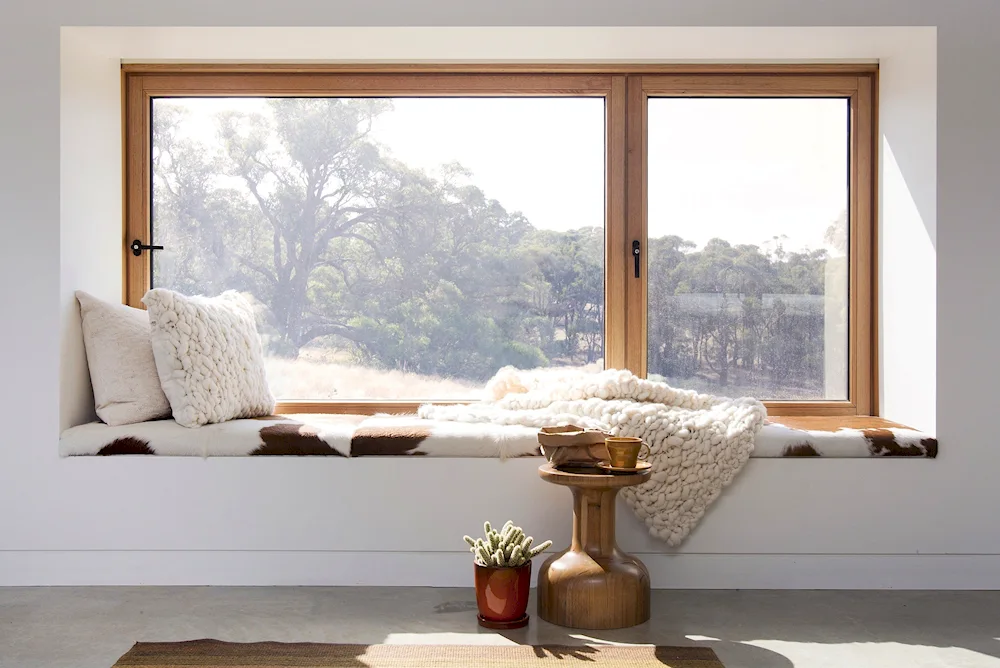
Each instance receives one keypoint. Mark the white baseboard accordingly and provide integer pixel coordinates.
(454, 569)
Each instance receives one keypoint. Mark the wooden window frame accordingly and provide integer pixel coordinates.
(859, 89)
(625, 90)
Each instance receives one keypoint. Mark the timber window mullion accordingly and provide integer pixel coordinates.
(616, 232)
(635, 179)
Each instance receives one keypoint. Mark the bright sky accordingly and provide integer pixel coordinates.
(745, 170)
(543, 157)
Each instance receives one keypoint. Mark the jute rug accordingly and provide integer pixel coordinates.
(216, 654)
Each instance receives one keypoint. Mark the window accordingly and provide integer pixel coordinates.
(748, 265)
(396, 248)
(403, 235)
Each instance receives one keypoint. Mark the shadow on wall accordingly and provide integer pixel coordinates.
(909, 166)
(76, 394)
(907, 238)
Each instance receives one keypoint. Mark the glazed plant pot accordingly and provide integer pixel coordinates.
(502, 595)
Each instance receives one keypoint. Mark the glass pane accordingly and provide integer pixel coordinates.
(748, 274)
(394, 248)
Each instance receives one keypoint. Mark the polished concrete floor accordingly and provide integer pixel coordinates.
(91, 627)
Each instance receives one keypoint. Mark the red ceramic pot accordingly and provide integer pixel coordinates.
(502, 593)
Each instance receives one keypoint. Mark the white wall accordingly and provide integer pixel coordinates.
(783, 523)
(90, 206)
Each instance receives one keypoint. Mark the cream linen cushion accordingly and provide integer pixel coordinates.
(120, 357)
(208, 356)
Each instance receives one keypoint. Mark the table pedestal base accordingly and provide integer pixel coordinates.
(593, 584)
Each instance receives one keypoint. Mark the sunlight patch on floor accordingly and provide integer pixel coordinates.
(875, 655)
(590, 640)
(433, 638)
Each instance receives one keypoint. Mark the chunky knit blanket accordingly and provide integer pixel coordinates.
(698, 442)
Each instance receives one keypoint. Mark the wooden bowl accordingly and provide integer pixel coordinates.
(569, 444)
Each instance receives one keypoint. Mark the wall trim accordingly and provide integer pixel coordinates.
(452, 569)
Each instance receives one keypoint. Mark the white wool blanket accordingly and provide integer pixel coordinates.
(697, 442)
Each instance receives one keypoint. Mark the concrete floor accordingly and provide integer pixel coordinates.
(91, 627)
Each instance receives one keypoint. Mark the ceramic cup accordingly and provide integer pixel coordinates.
(626, 451)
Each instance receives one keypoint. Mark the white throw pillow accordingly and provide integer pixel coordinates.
(208, 356)
(120, 358)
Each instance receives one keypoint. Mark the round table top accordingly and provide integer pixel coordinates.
(590, 478)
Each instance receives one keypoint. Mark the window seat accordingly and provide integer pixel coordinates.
(408, 435)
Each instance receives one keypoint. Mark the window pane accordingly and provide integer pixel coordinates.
(394, 248)
(748, 274)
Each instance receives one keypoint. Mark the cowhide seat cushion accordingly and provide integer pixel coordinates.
(331, 435)
(384, 435)
(841, 437)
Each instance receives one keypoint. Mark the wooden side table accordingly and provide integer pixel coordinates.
(593, 584)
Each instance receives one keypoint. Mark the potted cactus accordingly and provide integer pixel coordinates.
(503, 575)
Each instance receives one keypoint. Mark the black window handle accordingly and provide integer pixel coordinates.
(635, 255)
(137, 247)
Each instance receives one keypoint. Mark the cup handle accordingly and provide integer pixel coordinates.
(642, 457)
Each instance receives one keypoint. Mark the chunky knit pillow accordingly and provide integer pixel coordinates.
(208, 356)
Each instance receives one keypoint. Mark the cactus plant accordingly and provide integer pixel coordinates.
(507, 548)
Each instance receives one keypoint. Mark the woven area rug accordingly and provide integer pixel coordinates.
(215, 654)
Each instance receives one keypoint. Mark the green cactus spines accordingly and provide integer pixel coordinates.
(507, 548)
(516, 556)
(539, 549)
(483, 555)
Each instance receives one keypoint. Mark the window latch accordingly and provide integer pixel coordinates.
(137, 247)
(635, 256)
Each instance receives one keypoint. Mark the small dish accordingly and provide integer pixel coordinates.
(638, 468)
